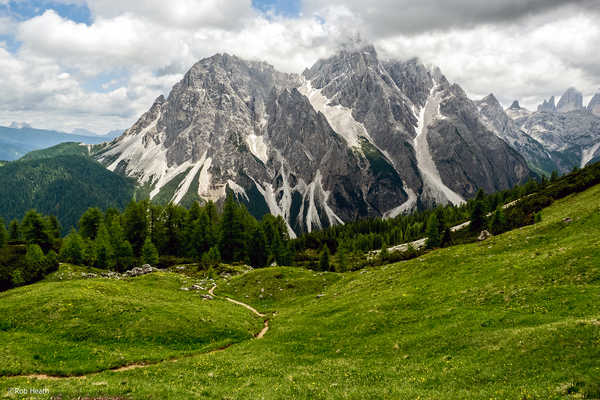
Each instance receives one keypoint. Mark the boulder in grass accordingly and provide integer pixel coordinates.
(484, 235)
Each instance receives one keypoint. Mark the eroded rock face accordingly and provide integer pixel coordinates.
(594, 105)
(353, 136)
(571, 100)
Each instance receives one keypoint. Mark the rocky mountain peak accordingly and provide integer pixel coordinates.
(548, 105)
(594, 105)
(515, 105)
(571, 100)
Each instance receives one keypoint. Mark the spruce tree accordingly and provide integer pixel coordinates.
(433, 232)
(35, 230)
(89, 223)
(149, 253)
(341, 258)
(257, 248)
(478, 220)
(14, 231)
(447, 237)
(497, 221)
(232, 235)
(135, 224)
(105, 257)
(72, 249)
(324, 259)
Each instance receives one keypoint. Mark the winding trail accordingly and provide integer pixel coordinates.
(131, 366)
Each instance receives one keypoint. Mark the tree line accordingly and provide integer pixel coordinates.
(165, 235)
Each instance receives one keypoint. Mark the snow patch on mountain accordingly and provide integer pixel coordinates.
(269, 195)
(258, 147)
(405, 207)
(237, 189)
(431, 177)
(339, 117)
(184, 186)
(588, 154)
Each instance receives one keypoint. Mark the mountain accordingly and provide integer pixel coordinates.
(63, 181)
(353, 136)
(569, 132)
(594, 105)
(571, 100)
(499, 122)
(16, 142)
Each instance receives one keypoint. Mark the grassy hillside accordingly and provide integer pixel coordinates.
(514, 317)
(94, 324)
(62, 185)
(63, 149)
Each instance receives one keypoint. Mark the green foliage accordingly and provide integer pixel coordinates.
(478, 219)
(35, 230)
(498, 222)
(257, 248)
(135, 225)
(89, 223)
(324, 259)
(14, 231)
(64, 186)
(149, 253)
(72, 248)
(233, 240)
(433, 232)
(212, 258)
(3, 234)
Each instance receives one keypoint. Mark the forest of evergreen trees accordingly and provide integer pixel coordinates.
(208, 235)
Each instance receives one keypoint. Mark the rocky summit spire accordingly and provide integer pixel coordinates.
(515, 105)
(571, 100)
(594, 106)
(547, 105)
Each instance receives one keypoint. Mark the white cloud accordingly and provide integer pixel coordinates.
(134, 51)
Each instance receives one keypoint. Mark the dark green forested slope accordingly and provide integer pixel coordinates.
(64, 186)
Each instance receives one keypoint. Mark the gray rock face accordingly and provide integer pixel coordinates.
(571, 100)
(594, 106)
(353, 136)
(499, 122)
(548, 105)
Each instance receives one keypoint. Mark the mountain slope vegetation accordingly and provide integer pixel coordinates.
(62, 185)
(513, 317)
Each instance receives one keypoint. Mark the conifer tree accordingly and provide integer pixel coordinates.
(35, 230)
(498, 221)
(232, 235)
(447, 237)
(257, 248)
(89, 223)
(14, 231)
(478, 220)
(105, 257)
(72, 248)
(324, 259)
(149, 253)
(433, 232)
(135, 224)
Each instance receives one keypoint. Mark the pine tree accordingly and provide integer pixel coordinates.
(232, 243)
(51, 261)
(72, 248)
(433, 232)
(497, 221)
(105, 257)
(54, 227)
(554, 176)
(324, 259)
(135, 225)
(384, 254)
(89, 223)
(212, 258)
(341, 258)
(447, 237)
(478, 220)
(149, 253)
(257, 248)
(35, 230)
(14, 231)
(35, 263)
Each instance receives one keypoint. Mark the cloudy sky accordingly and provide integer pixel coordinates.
(98, 64)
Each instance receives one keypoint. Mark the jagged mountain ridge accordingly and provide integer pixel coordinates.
(353, 136)
(568, 132)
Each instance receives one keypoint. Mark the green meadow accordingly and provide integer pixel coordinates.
(513, 317)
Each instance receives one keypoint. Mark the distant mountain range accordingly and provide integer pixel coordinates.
(353, 136)
(19, 139)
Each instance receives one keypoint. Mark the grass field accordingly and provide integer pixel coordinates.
(514, 317)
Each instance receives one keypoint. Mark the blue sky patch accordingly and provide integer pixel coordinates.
(286, 8)
(24, 10)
